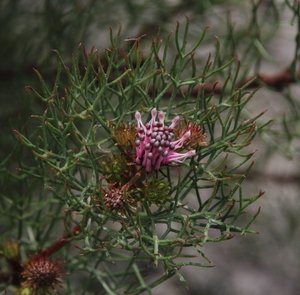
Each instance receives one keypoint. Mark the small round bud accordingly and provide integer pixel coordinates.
(154, 134)
(10, 249)
(150, 156)
(171, 136)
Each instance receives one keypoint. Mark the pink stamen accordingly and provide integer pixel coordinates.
(161, 116)
(179, 158)
(153, 114)
(174, 122)
(179, 143)
(139, 120)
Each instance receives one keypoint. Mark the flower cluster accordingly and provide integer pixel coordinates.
(42, 274)
(156, 144)
(115, 197)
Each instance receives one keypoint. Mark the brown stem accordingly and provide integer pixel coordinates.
(277, 81)
(275, 177)
(60, 243)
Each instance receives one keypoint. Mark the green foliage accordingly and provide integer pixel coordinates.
(71, 182)
(75, 133)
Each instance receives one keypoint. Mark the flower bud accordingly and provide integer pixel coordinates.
(42, 274)
(10, 250)
(115, 168)
(157, 191)
(124, 135)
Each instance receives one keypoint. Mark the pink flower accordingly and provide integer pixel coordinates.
(156, 144)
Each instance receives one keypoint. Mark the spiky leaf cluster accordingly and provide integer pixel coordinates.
(86, 162)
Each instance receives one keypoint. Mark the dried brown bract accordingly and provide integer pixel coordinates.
(198, 136)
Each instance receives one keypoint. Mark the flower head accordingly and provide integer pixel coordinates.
(114, 197)
(42, 274)
(156, 144)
